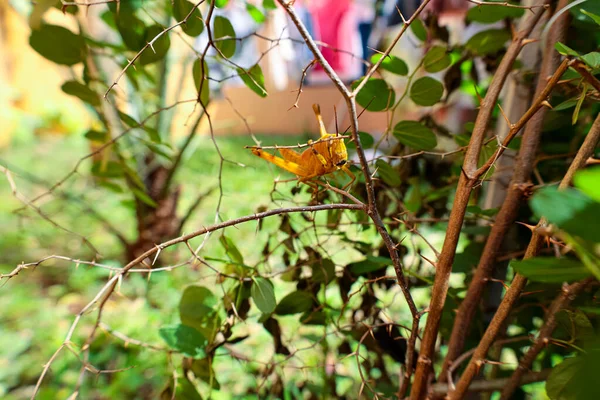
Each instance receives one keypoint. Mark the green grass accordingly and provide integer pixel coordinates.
(40, 304)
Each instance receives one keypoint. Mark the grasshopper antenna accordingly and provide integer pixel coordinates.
(317, 111)
(337, 129)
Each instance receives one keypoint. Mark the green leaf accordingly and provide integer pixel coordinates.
(391, 63)
(159, 48)
(546, 269)
(366, 140)
(436, 59)
(143, 197)
(263, 295)
(255, 13)
(203, 369)
(231, 250)
(418, 29)
(575, 116)
(200, 79)
(82, 92)
(426, 91)
(223, 29)
(96, 136)
(588, 181)
(376, 95)
(194, 24)
(565, 50)
(565, 105)
(570, 210)
(387, 173)
(323, 270)
(560, 384)
(369, 264)
(197, 308)
(592, 59)
(488, 42)
(254, 79)
(488, 14)
(221, 3)
(110, 169)
(415, 135)
(184, 339)
(594, 17)
(58, 44)
(132, 30)
(269, 5)
(294, 303)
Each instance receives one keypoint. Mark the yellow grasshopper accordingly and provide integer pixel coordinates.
(322, 157)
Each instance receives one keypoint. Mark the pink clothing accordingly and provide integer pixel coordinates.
(336, 24)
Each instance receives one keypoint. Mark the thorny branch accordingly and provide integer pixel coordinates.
(372, 210)
(514, 291)
(467, 181)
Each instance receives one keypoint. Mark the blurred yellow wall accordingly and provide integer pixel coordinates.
(29, 84)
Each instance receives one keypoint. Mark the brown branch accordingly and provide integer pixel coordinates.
(466, 183)
(515, 289)
(484, 385)
(585, 73)
(568, 294)
(508, 212)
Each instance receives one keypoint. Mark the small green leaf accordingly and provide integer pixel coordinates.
(366, 141)
(436, 59)
(426, 91)
(96, 136)
(376, 95)
(159, 47)
(565, 105)
(58, 44)
(418, 29)
(269, 5)
(570, 210)
(488, 42)
(82, 92)
(110, 169)
(594, 17)
(391, 63)
(565, 50)
(194, 24)
(387, 173)
(369, 264)
(200, 79)
(132, 30)
(575, 117)
(254, 79)
(546, 269)
(224, 36)
(197, 308)
(592, 59)
(143, 197)
(231, 250)
(184, 339)
(255, 13)
(294, 303)
(221, 3)
(263, 295)
(323, 270)
(588, 181)
(415, 135)
(488, 14)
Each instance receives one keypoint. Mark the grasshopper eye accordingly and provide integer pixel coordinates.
(340, 163)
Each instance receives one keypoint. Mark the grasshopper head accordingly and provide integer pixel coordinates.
(338, 152)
